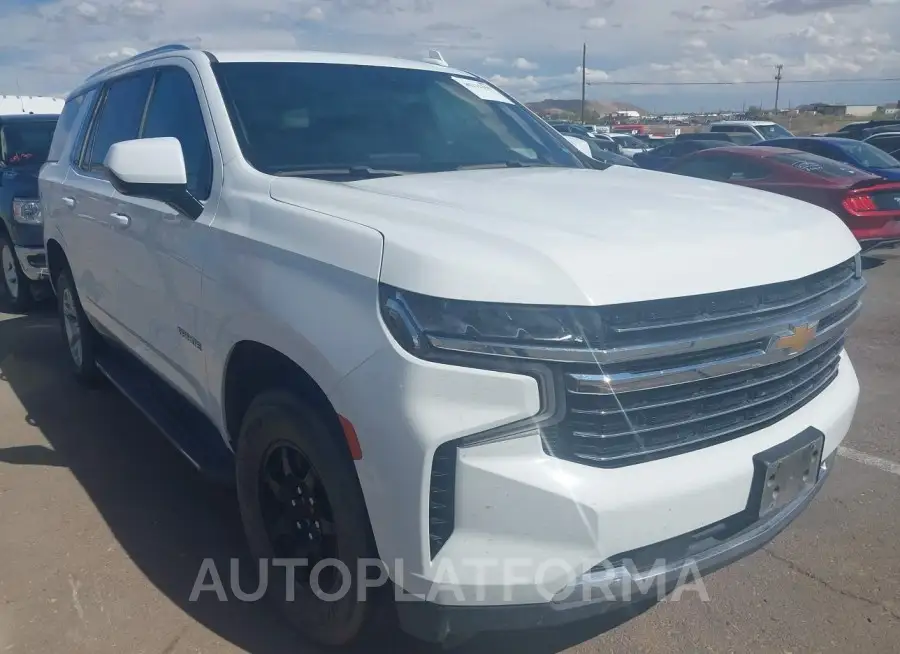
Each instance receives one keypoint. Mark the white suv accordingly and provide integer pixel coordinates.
(412, 324)
(762, 129)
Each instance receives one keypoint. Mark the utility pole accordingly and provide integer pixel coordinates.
(583, 78)
(777, 84)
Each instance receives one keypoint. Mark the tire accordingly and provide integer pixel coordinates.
(16, 285)
(79, 336)
(277, 422)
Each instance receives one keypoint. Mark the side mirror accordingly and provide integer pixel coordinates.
(154, 169)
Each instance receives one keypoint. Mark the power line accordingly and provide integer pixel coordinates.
(741, 83)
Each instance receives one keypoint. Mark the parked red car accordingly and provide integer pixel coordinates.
(867, 204)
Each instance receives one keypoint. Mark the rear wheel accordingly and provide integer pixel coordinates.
(300, 500)
(79, 336)
(15, 283)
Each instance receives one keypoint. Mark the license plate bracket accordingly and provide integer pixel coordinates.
(786, 472)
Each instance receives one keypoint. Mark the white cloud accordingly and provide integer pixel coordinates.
(533, 46)
(595, 23)
(523, 64)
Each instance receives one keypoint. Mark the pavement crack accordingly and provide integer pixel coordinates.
(884, 606)
(75, 601)
(168, 649)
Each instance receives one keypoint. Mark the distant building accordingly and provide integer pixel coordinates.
(891, 109)
(855, 110)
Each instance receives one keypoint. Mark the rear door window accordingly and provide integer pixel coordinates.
(119, 116)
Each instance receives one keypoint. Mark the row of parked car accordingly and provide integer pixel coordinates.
(846, 173)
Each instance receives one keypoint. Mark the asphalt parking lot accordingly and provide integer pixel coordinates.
(103, 528)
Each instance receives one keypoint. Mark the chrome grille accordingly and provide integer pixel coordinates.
(678, 375)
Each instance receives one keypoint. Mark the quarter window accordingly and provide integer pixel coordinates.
(65, 125)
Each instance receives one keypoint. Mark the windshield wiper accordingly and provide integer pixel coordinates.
(507, 164)
(364, 172)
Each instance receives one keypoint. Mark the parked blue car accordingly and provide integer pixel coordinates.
(850, 151)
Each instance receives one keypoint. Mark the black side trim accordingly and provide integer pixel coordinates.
(188, 429)
(441, 498)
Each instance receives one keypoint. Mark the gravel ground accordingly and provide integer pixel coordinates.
(103, 528)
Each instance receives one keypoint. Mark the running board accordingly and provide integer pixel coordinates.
(186, 427)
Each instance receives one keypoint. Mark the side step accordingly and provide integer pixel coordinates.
(186, 427)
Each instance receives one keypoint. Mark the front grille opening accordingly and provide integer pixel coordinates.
(639, 426)
(442, 496)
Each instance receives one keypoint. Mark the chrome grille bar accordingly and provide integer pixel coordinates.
(740, 425)
(625, 382)
(625, 402)
(796, 380)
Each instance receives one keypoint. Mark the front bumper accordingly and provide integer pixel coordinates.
(525, 523)
(602, 591)
(33, 262)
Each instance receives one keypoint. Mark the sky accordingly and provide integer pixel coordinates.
(530, 48)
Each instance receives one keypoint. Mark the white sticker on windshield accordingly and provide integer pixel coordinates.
(482, 90)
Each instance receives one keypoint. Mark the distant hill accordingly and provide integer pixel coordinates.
(573, 107)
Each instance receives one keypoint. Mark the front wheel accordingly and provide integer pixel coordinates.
(300, 500)
(80, 338)
(15, 283)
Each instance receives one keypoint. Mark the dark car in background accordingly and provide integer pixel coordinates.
(862, 129)
(867, 204)
(665, 155)
(24, 145)
(864, 156)
(888, 142)
(737, 138)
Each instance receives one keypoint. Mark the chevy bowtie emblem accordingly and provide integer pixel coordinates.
(798, 339)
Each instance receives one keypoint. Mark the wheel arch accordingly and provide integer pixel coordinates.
(57, 261)
(253, 367)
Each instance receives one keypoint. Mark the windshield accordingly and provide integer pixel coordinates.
(26, 142)
(306, 118)
(868, 156)
(773, 131)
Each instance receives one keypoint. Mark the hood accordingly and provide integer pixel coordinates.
(576, 236)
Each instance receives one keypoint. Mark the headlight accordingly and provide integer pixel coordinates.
(27, 212)
(435, 328)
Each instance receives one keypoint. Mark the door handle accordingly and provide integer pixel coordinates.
(120, 219)
(69, 202)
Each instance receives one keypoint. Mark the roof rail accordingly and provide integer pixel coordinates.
(434, 57)
(172, 47)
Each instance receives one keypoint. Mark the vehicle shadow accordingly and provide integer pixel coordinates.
(165, 517)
